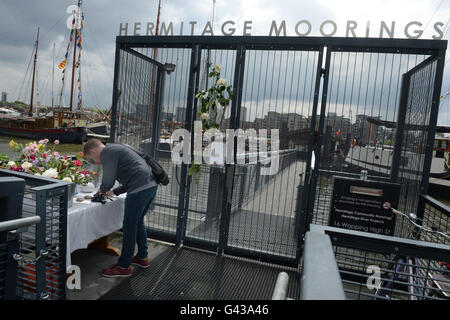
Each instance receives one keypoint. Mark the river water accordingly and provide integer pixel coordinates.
(64, 149)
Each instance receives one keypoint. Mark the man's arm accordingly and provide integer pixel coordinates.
(109, 172)
(119, 190)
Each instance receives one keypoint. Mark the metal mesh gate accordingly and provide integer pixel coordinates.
(340, 105)
(378, 115)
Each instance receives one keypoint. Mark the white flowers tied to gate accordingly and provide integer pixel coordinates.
(214, 103)
(214, 100)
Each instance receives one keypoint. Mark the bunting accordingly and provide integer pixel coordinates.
(80, 100)
(75, 37)
(62, 64)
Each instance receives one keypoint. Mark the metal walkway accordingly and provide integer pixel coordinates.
(189, 274)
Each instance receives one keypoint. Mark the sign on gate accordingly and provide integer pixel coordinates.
(363, 205)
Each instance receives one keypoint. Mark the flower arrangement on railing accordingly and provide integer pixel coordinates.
(214, 103)
(37, 159)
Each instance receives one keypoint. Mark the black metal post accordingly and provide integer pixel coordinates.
(403, 104)
(318, 147)
(230, 169)
(303, 194)
(433, 120)
(11, 198)
(41, 275)
(194, 113)
(116, 94)
(157, 109)
(193, 70)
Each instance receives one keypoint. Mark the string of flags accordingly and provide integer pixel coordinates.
(78, 65)
(62, 65)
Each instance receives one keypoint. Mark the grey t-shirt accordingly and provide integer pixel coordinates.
(126, 166)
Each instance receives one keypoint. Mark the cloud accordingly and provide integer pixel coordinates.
(19, 21)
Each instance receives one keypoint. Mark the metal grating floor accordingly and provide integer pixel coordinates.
(190, 274)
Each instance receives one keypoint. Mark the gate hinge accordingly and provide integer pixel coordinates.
(322, 72)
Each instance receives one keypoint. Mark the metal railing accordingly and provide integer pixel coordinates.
(382, 267)
(320, 274)
(41, 269)
(433, 215)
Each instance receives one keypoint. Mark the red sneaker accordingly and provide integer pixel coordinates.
(116, 271)
(143, 263)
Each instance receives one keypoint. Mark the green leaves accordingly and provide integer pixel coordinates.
(194, 171)
(218, 95)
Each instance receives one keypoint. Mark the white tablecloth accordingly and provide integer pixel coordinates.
(88, 221)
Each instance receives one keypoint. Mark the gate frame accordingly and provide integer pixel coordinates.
(435, 48)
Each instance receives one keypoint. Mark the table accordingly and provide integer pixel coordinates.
(88, 221)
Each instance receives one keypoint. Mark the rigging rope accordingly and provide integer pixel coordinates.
(26, 72)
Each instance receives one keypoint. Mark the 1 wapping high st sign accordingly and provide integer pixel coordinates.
(301, 28)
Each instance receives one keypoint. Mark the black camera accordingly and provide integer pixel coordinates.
(99, 197)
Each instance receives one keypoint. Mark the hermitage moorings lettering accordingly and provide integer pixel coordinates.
(301, 28)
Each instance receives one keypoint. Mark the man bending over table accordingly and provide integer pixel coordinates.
(123, 164)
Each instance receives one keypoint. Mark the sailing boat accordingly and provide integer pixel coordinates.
(61, 123)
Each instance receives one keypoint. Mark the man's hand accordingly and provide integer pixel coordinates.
(109, 193)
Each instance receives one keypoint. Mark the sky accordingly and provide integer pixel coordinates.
(19, 20)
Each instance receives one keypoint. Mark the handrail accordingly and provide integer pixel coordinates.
(280, 290)
(320, 276)
(19, 223)
(436, 204)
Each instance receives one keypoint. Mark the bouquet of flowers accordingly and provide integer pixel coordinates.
(214, 103)
(37, 159)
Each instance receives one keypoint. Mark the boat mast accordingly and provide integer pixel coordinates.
(53, 74)
(154, 58)
(74, 55)
(30, 112)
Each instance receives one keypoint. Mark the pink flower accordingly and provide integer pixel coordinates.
(56, 154)
(56, 142)
(19, 168)
(78, 163)
(42, 141)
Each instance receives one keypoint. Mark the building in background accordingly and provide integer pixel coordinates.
(365, 132)
(4, 98)
(180, 114)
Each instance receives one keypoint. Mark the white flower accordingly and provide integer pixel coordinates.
(37, 174)
(26, 165)
(222, 82)
(11, 163)
(67, 179)
(50, 173)
(205, 116)
(206, 95)
(217, 68)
